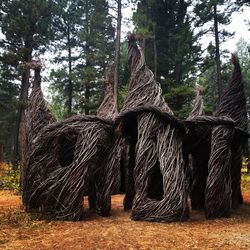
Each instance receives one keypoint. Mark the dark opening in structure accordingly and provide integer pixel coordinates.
(155, 183)
(130, 131)
(66, 149)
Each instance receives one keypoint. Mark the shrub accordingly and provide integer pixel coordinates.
(9, 178)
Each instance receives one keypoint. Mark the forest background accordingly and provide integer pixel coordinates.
(78, 39)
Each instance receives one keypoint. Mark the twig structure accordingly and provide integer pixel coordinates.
(66, 163)
(66, 160)
(215, 144)
(145, 152)
(218, 187)
(156, 187)
(108, 107)
(37, 116)
(233, 104)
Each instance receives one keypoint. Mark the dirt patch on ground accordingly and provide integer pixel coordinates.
(19, 230)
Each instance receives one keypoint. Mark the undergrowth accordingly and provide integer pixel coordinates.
(9, 178)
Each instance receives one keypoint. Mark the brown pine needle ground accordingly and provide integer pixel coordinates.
(19, 230)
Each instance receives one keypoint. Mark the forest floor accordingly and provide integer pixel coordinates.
(19, 230)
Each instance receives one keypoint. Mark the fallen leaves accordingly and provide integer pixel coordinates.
(19, 230)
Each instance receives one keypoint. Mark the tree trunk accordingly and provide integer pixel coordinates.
(1, 153)
(155, 54)
(23, 98)
(70, 84)
(20, 144)
(117, 48)
(87, 97)
(88, 63)
(217, 54)
(146, 26)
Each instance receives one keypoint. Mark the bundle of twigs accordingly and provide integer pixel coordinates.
(108, 107)
(198, 105)
(233, 104)
(38, 114)
(218, 187)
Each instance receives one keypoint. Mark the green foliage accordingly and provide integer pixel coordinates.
(26, 29)
(26, 25)
(178, 52)
(122, 94)
(180, 100)
(84, 49)
(8, 105)
(204, 17)
(178, 49)
(124, 70)
(9, 178)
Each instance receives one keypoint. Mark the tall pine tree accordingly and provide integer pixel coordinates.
(214, 14)
(26, 26)
(171, 48)
(86, 55)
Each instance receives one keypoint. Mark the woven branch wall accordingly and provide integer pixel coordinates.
(65, 161)
(233, 104)
(218, 194)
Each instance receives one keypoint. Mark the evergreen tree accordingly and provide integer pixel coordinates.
(79, 75)
(171, 48)
(8, 105)
(67, 26)
(243, 50)
(26, 26)
(215, 13)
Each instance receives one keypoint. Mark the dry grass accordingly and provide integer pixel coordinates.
(19, 230)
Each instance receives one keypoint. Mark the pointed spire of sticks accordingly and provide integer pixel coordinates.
(198, 106)
(233, 100)
(143, 88)
(108, 107)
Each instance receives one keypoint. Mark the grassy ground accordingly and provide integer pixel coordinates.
(19, 230)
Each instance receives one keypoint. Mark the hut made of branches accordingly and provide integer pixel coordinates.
(211, 141)
(233, 105)
(66, 164)
(155, 186)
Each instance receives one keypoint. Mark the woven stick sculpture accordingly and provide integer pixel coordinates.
(62, 181)
(67, 156)
(67, 163)
(37, 116)
(233, 104)
(160, 183)
(156, 181)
